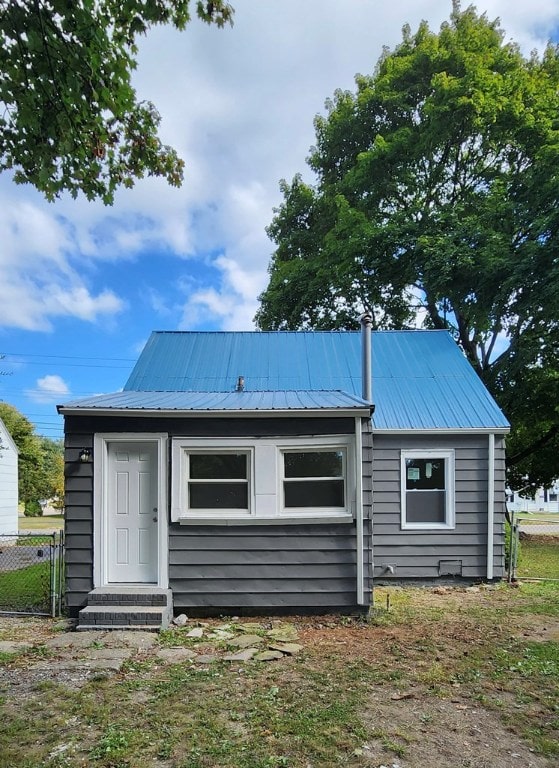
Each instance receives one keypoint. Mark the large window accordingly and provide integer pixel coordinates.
(314, 479)
(267, 479)
(427, 489)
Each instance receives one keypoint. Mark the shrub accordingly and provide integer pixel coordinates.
(33, 508)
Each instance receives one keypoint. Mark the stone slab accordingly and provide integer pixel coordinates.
(107, 653)
(197, 632)
(76, 639)
(245, 655)
(130, 638)
(245, 641)
(206, 658)
(175, 655)
(268, 656)
(289, 648)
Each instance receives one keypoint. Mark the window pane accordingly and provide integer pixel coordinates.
(218, 466)
(314, 464)
(314, 493)
(425, 474)
(218, 495)
(425, 507)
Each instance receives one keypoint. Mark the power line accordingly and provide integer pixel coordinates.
(70, 357)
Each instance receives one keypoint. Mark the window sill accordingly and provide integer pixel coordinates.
(428, 527)
(284, 520)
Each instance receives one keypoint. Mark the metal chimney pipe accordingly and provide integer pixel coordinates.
(366, 356)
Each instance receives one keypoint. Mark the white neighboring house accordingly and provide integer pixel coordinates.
(8, 482)
(545, 500)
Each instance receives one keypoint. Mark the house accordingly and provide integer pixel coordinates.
(8, 483)
(544, 500)
(243, 472)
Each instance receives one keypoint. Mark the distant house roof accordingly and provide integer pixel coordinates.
(421, 379)
(7, 439)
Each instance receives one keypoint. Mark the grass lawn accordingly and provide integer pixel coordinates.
(25, 588)
(539, 557)
(44, 523)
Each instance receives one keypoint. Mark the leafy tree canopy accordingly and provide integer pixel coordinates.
(69, 117)
(40, 461)
(436, 204)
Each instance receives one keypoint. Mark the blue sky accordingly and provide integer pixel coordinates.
(82, 285)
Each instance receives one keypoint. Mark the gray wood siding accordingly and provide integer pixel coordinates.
(302, 566)
(417, 554)
(78, 520)
(306, 566)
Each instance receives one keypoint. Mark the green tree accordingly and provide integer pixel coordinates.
(40, 461)
(70, 118)
(53, 465)
(436, 202)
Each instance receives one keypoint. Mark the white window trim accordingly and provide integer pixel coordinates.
(446, 454)
(100, 502)
(266, 507)
(210, 511)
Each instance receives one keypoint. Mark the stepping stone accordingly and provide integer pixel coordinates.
(289, 648)
(221, 634)
(196, 632)
(245, 655)
(250, 626)
(245, 641)
(205, 658)
(107, 653)
(268, 656)
(180, 620)
(76, 639)
(129, 638)
(175, 655)
(285, 633)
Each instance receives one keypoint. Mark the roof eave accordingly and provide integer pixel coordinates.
(442, 431)
(154, 412)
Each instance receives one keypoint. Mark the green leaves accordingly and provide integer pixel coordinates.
(437, 192)
(71, 119)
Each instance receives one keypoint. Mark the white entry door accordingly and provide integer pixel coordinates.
(132, 529)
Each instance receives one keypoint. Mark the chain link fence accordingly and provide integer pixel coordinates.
(31, 573)
(534, 547)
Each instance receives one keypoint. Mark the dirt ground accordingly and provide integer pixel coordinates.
(455, 729)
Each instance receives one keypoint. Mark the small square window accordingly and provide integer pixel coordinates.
(218, 481)
(314, 479)
(427, 489)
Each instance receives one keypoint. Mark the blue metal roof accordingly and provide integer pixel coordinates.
(421, 379)
(223, 401)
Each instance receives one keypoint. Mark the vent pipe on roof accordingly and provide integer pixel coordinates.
(240, 384)
(366, 356)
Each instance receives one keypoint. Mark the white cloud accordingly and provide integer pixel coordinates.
(39, 280)
(48, 389)
(238, 104)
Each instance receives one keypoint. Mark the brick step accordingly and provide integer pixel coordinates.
(123, 616)
(110, 596)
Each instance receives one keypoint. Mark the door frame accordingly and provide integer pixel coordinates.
(100, 503)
